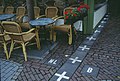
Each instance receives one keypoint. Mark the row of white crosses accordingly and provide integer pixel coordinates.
(61, 76)
(84, 47)
(97, 31)
(76, 59)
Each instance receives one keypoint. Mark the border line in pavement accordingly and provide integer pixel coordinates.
(69, 67)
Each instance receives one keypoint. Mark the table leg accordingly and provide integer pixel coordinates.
(38, 39)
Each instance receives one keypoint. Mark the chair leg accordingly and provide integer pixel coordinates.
(38, 43)
(11, 48)
(51, 35)
(37, 39)
(6, 51)
(54, 36)
(70, 37)
(24, 51)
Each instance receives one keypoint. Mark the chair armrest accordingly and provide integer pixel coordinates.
(23, 33)
(59, 17)
(41, 16)
(55, 17)
(2, 34)
(19, 18)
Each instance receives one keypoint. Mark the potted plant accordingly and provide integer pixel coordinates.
(76, 14)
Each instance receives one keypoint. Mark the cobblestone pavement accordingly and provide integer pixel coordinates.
(105, 54)
(102, 61)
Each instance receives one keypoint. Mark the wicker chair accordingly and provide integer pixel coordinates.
(20, 12)
(17, 36)
(9, 10)
(50, 12)
(1, 9)
(4, 40)
(25, 24)
(60, 26)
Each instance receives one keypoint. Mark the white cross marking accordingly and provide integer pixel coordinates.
(107, 15)
(75, 60)
(100, 26)
(61, 76)
(91, 38)
(105, 18)
(103, 22)
(83, 48)
(96, 31)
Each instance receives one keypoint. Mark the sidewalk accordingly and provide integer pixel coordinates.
(97, 58)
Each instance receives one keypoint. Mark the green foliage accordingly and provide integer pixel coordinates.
(76, 13)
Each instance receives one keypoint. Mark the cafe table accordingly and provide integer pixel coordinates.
(6, 16)
(41, 22)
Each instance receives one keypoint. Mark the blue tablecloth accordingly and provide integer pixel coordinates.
(41, 22)
(6, 16)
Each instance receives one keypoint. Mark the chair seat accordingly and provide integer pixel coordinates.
(6, 38)
(28, 37)
(64, 28)
(25, 25)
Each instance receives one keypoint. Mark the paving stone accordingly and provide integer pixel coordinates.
(10, 69)
(87, 42)
(89, 70)
(84, 47)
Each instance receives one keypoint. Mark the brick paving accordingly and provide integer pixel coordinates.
(104, 54)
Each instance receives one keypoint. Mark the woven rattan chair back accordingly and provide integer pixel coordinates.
(20, 11)
(1, 34)
(51, 12)
(36, 11)
(1, 9)
(9, 10)
(13, 27)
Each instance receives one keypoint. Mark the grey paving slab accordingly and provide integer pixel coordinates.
(90, 70)
(96, 33)
(84, 48)
(78, 54)
(33, 52)
(8, 70)
(68, 68)
(87, 42)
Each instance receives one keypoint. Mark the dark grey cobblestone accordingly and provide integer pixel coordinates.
(36, 74)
